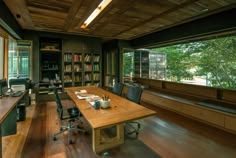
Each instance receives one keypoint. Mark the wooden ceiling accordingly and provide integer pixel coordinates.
(122, 19)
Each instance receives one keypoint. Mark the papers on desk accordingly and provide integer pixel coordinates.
(81, 91)
(85, 95)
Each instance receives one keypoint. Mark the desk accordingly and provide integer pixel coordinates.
(8, 116)
(121, 111)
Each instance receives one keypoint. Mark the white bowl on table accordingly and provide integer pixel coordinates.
(105, 104)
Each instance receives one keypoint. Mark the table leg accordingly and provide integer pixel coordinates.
(101, 142)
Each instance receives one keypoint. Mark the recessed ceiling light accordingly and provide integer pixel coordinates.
(95, 13)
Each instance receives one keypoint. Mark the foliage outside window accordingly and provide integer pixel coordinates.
(18, 60)
(207, 62)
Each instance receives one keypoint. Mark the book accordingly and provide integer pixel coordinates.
(85, 95)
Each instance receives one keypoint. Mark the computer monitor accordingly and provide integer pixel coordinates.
(3, 87)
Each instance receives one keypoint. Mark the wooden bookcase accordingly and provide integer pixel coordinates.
(81, 69)
(50, 64)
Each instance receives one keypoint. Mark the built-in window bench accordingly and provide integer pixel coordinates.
(213, 106)
(224, 107)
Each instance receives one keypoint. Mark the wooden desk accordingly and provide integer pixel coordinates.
(121, 111)
(8, 116)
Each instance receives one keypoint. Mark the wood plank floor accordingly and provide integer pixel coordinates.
(167, 133)
(13, 145)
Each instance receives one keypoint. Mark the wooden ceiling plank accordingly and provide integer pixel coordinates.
(189, 2)
(19, 7)
(50, 5)
(51, 13)
(44, 19)
(76, 4)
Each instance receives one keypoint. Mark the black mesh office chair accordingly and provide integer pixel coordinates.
(117, 89)
(3, 87)
(70, 115)
(134, 94)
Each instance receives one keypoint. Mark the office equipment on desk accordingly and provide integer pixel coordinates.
(17, 93)
(18, 86)
(115, 116)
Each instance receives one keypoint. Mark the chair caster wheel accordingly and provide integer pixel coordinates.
(54, 138)
(139, 126)
(79, 127)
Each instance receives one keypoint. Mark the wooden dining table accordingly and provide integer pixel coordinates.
(121, 111)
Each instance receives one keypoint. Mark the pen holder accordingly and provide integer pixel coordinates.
(105, 104)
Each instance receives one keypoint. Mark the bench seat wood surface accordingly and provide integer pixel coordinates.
(210, 105)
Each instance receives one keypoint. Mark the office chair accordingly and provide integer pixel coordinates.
(134, 94)
(117, 89)
(3, 87)
(70, 115)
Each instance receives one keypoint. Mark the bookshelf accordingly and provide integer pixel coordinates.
(50, 64)
(96, 69)
(68, 65)
(77, 68)
(81, 69)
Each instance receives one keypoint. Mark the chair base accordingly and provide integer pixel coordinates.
(134, 129)
(69, 128)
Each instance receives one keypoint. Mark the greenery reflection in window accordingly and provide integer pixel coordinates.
(210, 62)
(19, 59)
(207, 62)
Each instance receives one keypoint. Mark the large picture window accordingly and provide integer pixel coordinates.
(19, 59)
(206, 62)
